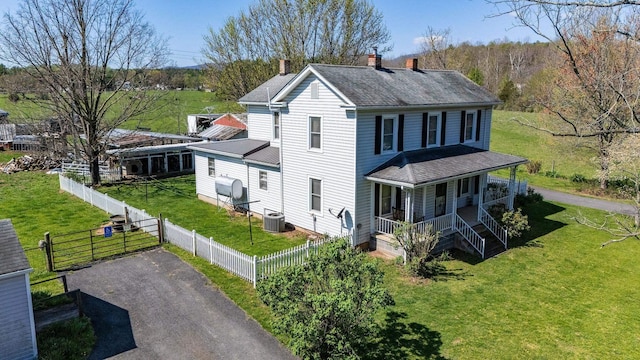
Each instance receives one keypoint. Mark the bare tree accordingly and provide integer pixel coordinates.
(244, 52)
(595, 89)
(436, 45)
(624, 166)
(86, 53)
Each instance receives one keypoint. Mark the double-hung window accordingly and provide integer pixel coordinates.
(315, 132)
(388, 134)
(315, 195)
(469, 125)
(433, 130)
(212, 167)
(262, 178)
(276, 126)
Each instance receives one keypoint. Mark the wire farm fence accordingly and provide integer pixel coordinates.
(250, 268)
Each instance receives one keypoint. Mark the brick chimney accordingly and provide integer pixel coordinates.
(375, 60)
(412, 64)
(285, 67)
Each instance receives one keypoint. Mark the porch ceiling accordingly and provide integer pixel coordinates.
(429, 166)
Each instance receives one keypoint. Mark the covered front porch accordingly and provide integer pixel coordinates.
(449, 191)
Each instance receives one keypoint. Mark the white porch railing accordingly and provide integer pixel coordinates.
(439, 224)
(520, 186)
(503, 200)
(469, 234)
(490, 223)
(386, 226)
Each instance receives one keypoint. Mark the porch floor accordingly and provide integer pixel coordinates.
(469, 214)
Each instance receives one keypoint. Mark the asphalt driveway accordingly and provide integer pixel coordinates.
(152, 305)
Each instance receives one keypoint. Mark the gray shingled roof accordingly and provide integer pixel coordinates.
(12, 257)
(424, 166)
(367, 87)
(234, 148)
(259, 94)
(269, 156)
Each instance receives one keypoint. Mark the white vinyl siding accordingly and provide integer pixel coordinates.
(260, 123)
(17, 340)
(334, 164)
(225, 166)
(266, 199)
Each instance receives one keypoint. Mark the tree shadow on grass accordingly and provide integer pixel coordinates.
(396, 339)
(540, 224)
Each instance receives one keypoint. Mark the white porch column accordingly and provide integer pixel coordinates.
(455, 202)
(483, 184)
(408, 205)
(372, 210)
(512, 183)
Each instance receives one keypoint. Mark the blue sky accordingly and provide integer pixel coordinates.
(185, 22)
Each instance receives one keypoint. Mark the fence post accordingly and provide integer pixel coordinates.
(255, 270)
(160, 229)
(308, 244)
(64, 283)
(193, 241)
(47, 248)
(91, 243)
(211, 250)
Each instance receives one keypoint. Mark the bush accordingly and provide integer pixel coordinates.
(551, 174)
(515, 222)
(578, 178)
(328, 305)
(534, 166)
(13, 97)
(532, 197)
(428, 267)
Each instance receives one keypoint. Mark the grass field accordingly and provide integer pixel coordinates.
(189, 212)
(169, 114)
(555, 294)
(562, 155)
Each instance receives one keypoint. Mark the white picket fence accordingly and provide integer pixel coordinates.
(250, 268)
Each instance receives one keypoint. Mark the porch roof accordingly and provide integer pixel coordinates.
(430, 166)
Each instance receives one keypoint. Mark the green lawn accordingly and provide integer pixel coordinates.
(175, 198)
(556, 294)
(563, 155)
(168, 114)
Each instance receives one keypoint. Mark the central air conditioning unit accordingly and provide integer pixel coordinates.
(273, 221)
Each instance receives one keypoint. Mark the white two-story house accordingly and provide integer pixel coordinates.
(355, 149)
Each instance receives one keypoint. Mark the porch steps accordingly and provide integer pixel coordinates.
(492, 246)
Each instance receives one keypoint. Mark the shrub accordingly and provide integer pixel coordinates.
(534, 166)
(418, 247)
(515, 222)
(13, 97)
(531, 197)
(551, 174)
(578, 178)
(428, 267)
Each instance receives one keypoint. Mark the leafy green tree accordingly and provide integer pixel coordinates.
(327, 306)
(508, 93)
(476, 76)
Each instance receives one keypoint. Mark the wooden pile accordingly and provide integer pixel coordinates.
(30, 163)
